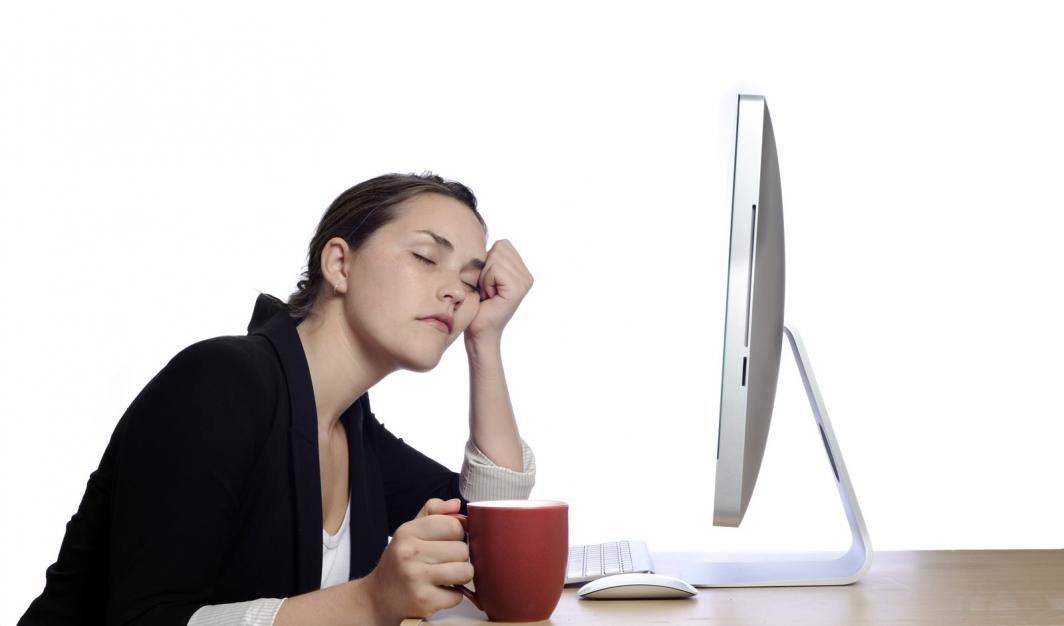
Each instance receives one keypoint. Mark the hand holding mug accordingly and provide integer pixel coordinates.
(426, 556)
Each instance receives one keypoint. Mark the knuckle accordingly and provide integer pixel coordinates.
(410, 570)
(422, 598)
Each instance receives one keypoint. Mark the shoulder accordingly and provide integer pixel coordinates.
(231, 357)
(223, 382)
(210, 408)
(232, 370)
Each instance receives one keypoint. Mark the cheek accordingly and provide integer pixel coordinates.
(394, 285)
(388, 271)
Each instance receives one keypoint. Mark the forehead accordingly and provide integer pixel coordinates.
(440, 214)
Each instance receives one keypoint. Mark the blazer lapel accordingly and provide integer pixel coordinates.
(368, 530)
(271, 320)
(369, 534)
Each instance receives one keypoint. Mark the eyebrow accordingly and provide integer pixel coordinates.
(443, 241)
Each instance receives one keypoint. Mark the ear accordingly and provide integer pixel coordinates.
(335, 260)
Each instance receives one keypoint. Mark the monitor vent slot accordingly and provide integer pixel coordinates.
(750, 274)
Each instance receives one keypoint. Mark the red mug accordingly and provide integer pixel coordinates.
(519, 550)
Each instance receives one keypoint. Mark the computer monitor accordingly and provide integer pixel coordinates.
(753, 338)
(753, 321)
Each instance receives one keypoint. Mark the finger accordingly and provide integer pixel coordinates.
(443, 598)
(515, 270)
(450, 573)
(513, 253)
(438, 528)
(426, 509)
(487, 280)
(435, 506)
(509, 275)
(504, 260)
(443, 551)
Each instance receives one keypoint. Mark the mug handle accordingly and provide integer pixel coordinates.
(465, 591)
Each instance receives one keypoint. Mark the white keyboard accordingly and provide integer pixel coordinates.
(604, 559)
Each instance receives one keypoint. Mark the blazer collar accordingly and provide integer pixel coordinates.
(271, 320)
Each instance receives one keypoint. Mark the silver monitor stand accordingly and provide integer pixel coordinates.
(787, 569)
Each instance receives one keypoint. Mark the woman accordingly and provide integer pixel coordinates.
(249, 482)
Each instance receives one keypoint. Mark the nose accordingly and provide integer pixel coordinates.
(455, 289)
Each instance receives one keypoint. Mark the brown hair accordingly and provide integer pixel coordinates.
(357, 213)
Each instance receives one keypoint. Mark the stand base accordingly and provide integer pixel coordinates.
(779, 569)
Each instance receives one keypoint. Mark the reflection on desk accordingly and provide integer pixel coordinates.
(937, 587)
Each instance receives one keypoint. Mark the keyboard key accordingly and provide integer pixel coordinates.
(596, 560)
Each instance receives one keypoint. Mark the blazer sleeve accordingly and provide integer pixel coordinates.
(189, 440)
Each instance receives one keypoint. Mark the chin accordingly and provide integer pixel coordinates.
(419, 362)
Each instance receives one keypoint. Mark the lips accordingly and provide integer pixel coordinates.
(437, 323)
(443, 322)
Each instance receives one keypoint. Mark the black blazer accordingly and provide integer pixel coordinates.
(209, 490)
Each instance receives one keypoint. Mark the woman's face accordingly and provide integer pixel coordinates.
(391, 288)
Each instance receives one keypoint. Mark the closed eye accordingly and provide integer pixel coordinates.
(430, 262)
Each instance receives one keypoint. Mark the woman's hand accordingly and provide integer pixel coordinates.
(503, 284)
(425, 554)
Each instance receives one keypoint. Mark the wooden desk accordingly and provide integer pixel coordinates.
(938, 587)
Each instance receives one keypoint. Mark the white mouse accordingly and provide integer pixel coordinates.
(636, 586)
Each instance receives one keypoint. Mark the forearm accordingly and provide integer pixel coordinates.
(491, 417)
(347, 604)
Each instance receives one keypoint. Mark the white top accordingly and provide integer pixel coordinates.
(336, 552)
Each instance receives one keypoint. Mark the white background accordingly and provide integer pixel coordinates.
(160, 166)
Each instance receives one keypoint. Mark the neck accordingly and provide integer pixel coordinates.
(341, 369)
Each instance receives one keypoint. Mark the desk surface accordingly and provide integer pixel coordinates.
(922, 587)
